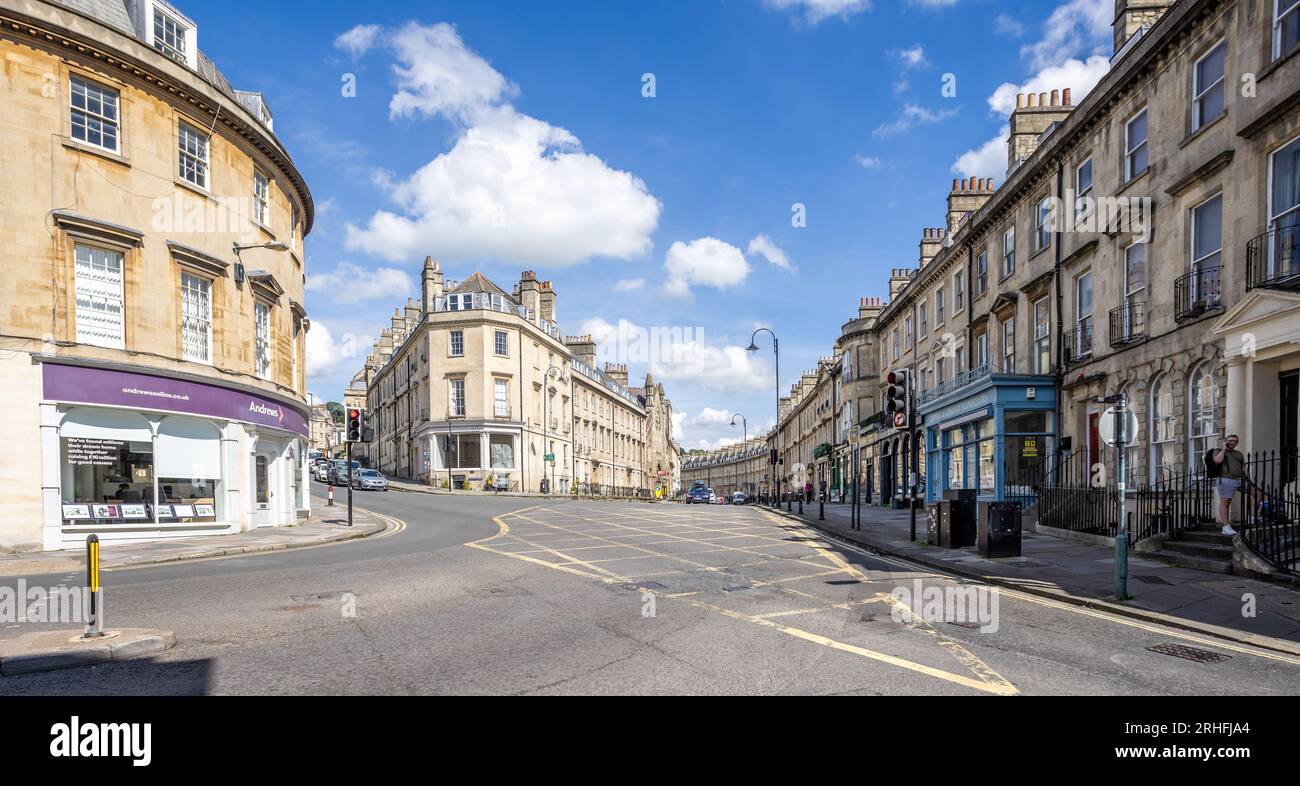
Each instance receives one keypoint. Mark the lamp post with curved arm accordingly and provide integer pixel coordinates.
(546, 423)
(776, 352)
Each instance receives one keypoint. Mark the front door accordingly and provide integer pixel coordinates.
(265, 469)
(1289, 421)
(1094, 440)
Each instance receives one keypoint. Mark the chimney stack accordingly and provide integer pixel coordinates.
(1033, 117)
(967, 196)
(1132, 15)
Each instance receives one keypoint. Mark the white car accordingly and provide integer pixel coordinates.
(713, 498)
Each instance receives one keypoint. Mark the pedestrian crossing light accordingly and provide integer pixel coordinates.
(896, 397)
(356, 425)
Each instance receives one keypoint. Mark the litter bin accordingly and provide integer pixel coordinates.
(962, 524)
(933, 527)
(999, 531)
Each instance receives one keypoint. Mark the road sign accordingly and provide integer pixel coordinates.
(549, 458)
(1128, 421)
(900, 420)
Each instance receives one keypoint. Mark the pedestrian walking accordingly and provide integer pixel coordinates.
(1228, 465)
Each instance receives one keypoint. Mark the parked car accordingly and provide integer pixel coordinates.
(369, 480)
(338, 474)
(697, 494)
(739, 498)
(321, 471)
(713, 498)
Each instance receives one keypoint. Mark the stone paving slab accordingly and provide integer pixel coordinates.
(325, 525)
(66, 649)
(1082, 574)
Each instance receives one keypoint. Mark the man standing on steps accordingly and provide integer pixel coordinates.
(1232, 476)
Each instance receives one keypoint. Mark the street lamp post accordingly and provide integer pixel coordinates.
(546, 423)
(744, 427)
(776, 352)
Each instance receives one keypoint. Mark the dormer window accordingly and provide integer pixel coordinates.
(169, 35)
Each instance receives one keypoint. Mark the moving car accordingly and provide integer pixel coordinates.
(369, 480)
(338, 474)
(321, 471)
(739, 498)
(697, 494)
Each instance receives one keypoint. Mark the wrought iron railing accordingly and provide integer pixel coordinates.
(958, 382)
(1268, 515)
(1169, 505)
(1197, 293)
(1073, 499)
(1078, 343)
(1128, 323)
(1273, 259)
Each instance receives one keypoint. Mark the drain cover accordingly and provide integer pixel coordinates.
(1148, 579)
(736, 589)
(844, 583)
(1189, 653)
(644, 585)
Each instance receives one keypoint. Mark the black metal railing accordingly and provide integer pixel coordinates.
(1128, 323)
(1197, 293)
(1273, 259)
(1268, 512)
(1074, 498)
(1169, 505)
(1078, 343)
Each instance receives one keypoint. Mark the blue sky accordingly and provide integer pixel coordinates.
(504, 136)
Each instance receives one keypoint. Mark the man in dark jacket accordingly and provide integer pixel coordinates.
(1232, 479)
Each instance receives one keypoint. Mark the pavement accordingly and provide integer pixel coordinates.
(61, 649)
(482, 595)
(1084, 574)
(325, 525)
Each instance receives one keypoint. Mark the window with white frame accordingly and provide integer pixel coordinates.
(1043, 224)
(502, 343)
(1042, 336)
(1207, 234)
(1208, 87)
(98, 293)
(1136, 155)
(1009, 252)
(924, 311)
(458, 398)
(908, 339)
(501, 398)
(1161, 429)
(959, 291)
(1009, 345)
(457, 343)
(1286, 26)
(938, 307)
(96, 114)
(1083, 314)
(982, 350)
(1203, 404)
(193, 151)
(169, 35)
(895, 343)
(262, 315)
(196, 318)
(1135, 287)
(1083, 188)
(261, 198)
(1284, 210)
(982, 272)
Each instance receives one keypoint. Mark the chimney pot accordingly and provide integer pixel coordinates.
(954, 184)
(1065, 97)
(1020, 100)
(1056, 98)
(1042, 99)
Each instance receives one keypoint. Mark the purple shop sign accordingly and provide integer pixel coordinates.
(86, 385)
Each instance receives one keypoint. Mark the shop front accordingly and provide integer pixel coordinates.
(128, 455)
(476, 456)
(987, 431)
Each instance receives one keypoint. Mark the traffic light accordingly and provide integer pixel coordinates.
(367, 430)
(355, 424)
(898, 394)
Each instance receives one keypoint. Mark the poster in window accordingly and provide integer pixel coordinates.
(107, 511)
(205, 511)
(183, 511)
(135, 512)
(76, 512)
(165, 512)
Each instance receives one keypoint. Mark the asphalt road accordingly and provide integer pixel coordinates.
(488, 595)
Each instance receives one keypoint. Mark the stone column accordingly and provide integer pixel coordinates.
(51, 479)
(1237, 405)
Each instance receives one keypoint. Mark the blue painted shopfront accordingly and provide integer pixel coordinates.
(985, 430)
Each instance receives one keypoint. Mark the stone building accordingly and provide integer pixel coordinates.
(745, 467)
(155, 377)
(476, 387)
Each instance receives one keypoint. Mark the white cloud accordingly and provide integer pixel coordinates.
(816, 11)
(764, 247)
(988, 160)
(325, 354)
(629, 284)
(512, 187)
(349, 283)
(912, 57)
(868, 162)
(1009, 25)
(706, 261)
(692, 362)
(358, 40)
(1076, 27)
(1078, 75)
(911, 116)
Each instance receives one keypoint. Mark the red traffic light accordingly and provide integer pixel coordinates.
(354, 413)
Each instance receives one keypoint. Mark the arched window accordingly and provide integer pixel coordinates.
(1132, 471)
(1161, 429)
(1202, 414)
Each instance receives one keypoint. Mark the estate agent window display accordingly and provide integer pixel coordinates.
(112, 482)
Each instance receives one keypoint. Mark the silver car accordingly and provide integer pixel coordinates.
(369, 480)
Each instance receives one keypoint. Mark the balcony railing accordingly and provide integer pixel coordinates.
(1078, 343)
(1273, 260)
(1128, 323)
(1198, 293)
(958, 382)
